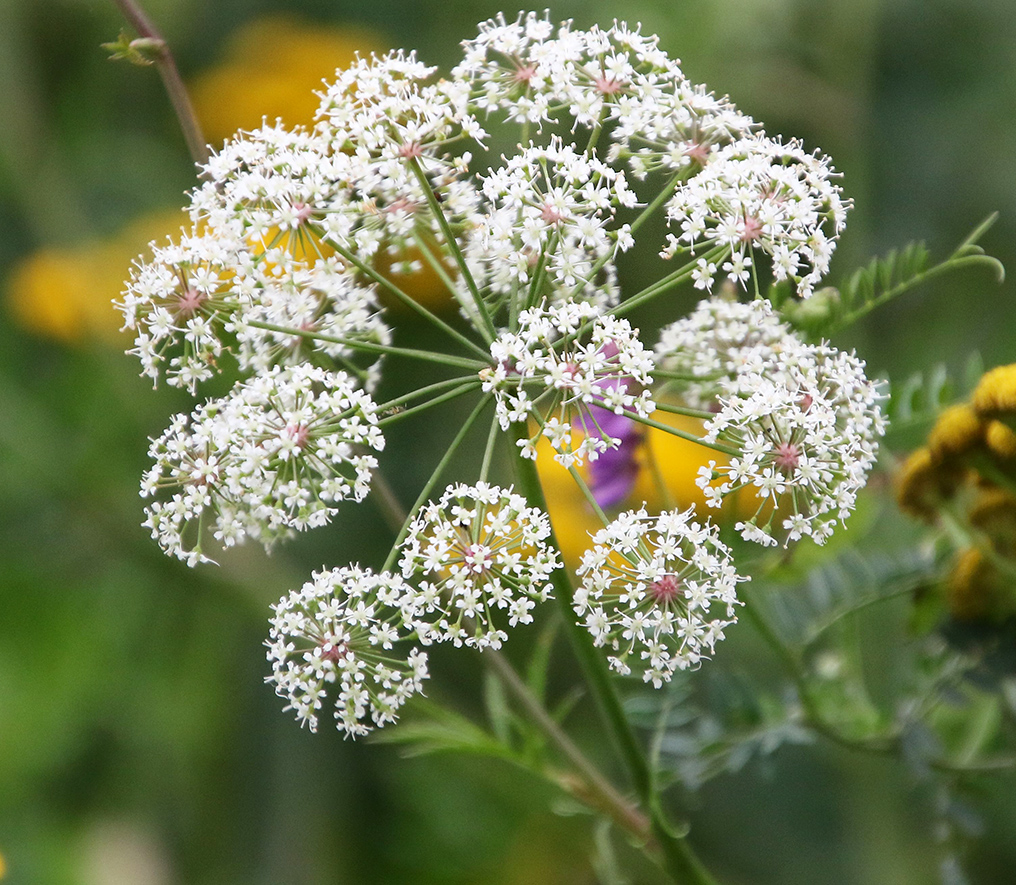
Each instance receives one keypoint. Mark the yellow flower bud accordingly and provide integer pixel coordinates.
(996, 391)
(957, 431)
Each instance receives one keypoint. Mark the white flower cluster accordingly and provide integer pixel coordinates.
(478, 551)
(569, 377)
(189, 300)
(806, 421)
(697, 353)
(657, 591)
(294, 230)
(757, 193)
(536, 73)
(277, 454)
(550, 207)
(340, 629)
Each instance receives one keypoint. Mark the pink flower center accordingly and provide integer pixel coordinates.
(401, 205)
(665, 590)
(189, 302)
(697, 152)
(299, 433)
(524, 74)
(752, 229)
(806, 402)
(302, 212)
(334, 653)
(607, 86)
(477, 558)
(551, 214)
(411, 150)
(786, 457)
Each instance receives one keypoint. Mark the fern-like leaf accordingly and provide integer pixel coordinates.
(831, 310)
(922, 397)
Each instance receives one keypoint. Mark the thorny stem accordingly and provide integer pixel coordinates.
(677, 856)
(177, 92)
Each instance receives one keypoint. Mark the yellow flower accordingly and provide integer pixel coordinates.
(1001, 440)
(67, 293)
(924, 484)
(667, 468)
(273, 68)
(996, 391)
(957, 431)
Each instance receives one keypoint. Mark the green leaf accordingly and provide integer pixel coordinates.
(922, 397)
(884, 279)
(443, 731)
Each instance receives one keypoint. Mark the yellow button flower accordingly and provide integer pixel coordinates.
(273, 68)
(67, 293)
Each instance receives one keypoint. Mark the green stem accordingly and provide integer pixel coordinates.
(435, 208)
(678, 858)
(621, 811)
(683, 434)
(436, 387)
(668, 282)
(447, 359)
(437, 400)
(658, 201)
(879, 745)
(407, 300)
(683, 410)
(434, 477)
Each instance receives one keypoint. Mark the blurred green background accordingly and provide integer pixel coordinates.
(137, 741)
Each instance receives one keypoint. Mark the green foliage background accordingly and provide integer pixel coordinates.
(134, 725)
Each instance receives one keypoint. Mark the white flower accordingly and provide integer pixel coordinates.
(807, 422)
(478, 556)
(321, 300)
(712, 344)
(757, 193)
(337, 634)
(657, 592)
(548, 225)
(179, 303)
(569, 378)
(275, 455)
